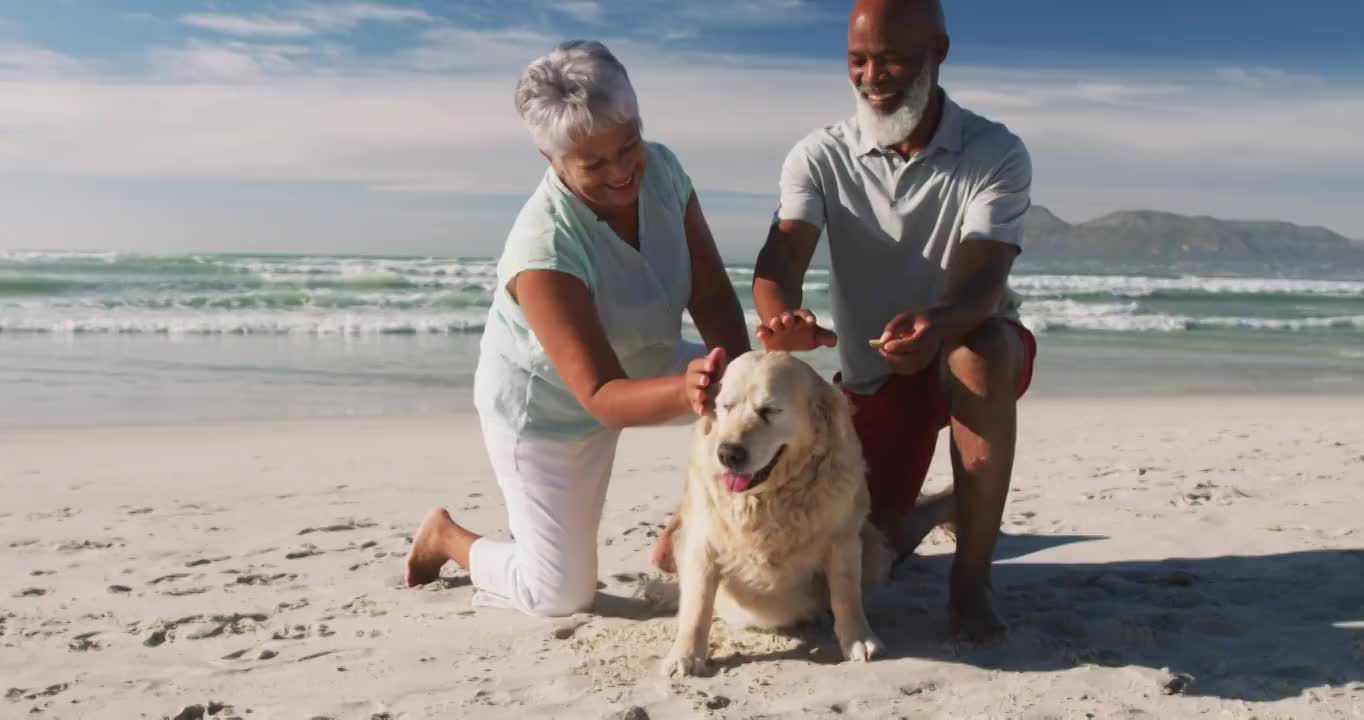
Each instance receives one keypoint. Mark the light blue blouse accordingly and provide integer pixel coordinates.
(639, 295)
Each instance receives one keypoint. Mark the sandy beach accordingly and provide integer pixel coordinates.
(1184, 557)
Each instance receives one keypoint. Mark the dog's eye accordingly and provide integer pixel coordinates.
(768, 412)
(727, 407)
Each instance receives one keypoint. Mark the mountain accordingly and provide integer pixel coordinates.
(1151, 239)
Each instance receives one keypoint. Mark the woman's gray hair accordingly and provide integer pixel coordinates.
(577, 88)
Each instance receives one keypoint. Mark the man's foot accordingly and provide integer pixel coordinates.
(906, 533)
(974, 617)
(428, 554)
(661, 555)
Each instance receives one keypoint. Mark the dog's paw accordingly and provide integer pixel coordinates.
(684, 664)
(862, 649)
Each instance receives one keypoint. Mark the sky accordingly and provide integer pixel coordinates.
(388, 127)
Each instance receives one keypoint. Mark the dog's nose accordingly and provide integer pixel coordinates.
(733, 456)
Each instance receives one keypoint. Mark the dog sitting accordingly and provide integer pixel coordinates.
(773, 516)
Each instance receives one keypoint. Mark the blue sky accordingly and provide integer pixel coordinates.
(165, 126)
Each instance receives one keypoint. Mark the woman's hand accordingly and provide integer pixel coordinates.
(701, 380)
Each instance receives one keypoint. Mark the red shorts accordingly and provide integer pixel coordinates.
(898, 426)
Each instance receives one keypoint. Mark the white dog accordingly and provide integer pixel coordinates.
(773, 516)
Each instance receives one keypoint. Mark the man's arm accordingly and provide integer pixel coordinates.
(977, 273)
(713, 305)
(780, 270)
(976, 282)
(777, 279)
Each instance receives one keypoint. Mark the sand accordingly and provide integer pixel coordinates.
(1177, 558)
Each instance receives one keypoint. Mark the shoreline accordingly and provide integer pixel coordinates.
(1088, 401)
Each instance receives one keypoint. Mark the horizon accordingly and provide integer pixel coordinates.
(375, 128)
(819, 261)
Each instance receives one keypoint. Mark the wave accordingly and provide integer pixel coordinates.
(1147, 286)
(267, 299)
(1052, 316)
(38, 285)
(308, 324)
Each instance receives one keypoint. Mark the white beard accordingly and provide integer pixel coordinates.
(891, 128)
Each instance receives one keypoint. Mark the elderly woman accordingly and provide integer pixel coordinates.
(584, 336)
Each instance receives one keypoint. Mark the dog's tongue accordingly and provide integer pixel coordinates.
(737, 482)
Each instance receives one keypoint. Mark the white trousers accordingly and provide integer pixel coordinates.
(554, 492)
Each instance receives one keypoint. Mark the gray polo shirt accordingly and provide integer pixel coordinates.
(893, 224)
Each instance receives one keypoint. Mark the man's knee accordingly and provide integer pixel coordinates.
(986, 361)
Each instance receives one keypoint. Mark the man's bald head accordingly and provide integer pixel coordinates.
(923, 16)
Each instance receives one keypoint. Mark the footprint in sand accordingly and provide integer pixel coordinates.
(307, 552)
(164, 631)
(79, 545)
(1204, 493)
(31, 592)
(84, 643)
(17, 694)
(186, 591)
(234, 624)
(23, 543)
(342, 526)
(303, 632)
(169, 578)
(258, 579)
(206, 561)
(212, 709)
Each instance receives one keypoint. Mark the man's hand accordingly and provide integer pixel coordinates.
(911, 342)
(701, 380)
(795, 332)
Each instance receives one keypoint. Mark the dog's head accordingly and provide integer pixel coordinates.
(771, 410)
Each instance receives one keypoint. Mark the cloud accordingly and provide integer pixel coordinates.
(584, 11)
(753, 13)
(333, 17)
(453, 48)
(24, 60)
(305, 21)
(230, 61)
(249, 26)
(437, 117)
(1265, 77)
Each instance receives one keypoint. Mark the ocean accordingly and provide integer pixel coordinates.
(118, 339)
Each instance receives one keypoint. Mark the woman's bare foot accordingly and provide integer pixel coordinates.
(432, 547)
(661, 555)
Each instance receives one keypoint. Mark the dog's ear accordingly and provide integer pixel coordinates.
(834, 412)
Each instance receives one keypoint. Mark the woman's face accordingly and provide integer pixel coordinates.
(605, 169)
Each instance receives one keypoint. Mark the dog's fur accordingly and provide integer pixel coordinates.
(796, 542)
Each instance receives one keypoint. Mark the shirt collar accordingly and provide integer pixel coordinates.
(948, 136)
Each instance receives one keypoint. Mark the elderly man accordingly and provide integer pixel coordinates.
(923, 203)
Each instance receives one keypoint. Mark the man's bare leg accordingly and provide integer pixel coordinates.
(982, 375)
(438, 540)
(661, 555)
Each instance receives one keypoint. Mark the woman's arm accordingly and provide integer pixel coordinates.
(713, 305)
(563, 317)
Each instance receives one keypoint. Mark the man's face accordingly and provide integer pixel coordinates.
(885, 59)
